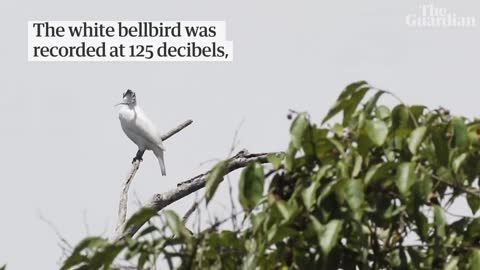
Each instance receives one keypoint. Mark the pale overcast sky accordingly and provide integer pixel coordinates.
(63, 153)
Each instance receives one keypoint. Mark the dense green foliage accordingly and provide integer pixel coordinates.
(370, 192)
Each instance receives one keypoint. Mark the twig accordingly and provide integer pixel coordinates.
(235, 142)
(232, 204)
(122, 207)
(470, 191)
(85, 223)
(190, 211)
(64, 245)
(176, 130)
(220, 222)
(160, 201)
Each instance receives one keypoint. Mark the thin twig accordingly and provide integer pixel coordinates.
(190, 211)
(85, 223)
(235, 142)
(471, 191)
(64, 245)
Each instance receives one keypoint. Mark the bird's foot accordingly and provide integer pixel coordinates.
(137, 159)
(138, 156)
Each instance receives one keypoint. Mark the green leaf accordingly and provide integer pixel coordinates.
(473, 229)
(422, 225)
(175, 224)
(397, 259)
(416, 139)
(351, 192)
(393, 211)
(440, 222)
(460, 133)
(105, 257)
(215, 176)
(142, 259)
(352, 104)
(338, 130)
(140, 217)
(290, 157)
(452, 264)
(251, 186)
(76, 257)
(354, 194)
(474, 132)
(309, 195)
(458, 161)
(325, 192)
(377, 131)
(279, 233)
(299, 126)
(423, 187)
(401, 117)
(372, 102)
(357, 166)
(257, 220)
(338, 145)
(405, 177)
(474, 203)
(474, 260)
(348, 100)
(351, 88)
(417, 110)
(276, 160)
(148, 230)
(287, 210)
(322, 172)
(328, 235)
(378, 172)
(382, 112)
(441, 145)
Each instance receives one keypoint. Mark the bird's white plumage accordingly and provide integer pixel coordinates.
(141, 130)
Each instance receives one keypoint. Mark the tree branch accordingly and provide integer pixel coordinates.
(160, 201)
(468, 190)
(122, 207)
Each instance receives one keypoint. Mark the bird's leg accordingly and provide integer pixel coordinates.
(138, 156)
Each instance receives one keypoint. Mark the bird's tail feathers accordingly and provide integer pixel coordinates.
(161, 162)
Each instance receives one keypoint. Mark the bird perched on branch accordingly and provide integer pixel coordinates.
(140, 129)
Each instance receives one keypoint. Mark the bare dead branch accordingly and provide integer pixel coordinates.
(160, 201)
(122, 207)
(174, 131)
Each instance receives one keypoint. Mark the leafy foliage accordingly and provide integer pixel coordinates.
(371, 192)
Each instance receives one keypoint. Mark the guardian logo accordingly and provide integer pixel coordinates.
(430, 16)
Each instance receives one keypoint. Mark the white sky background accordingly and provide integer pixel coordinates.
(62, 151)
